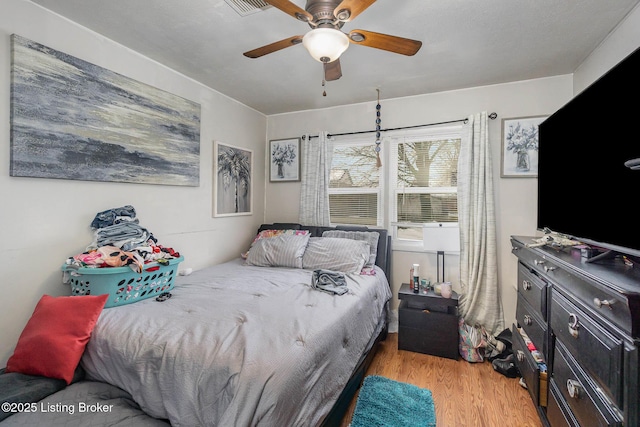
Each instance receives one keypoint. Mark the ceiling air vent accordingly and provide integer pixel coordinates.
(247, 7)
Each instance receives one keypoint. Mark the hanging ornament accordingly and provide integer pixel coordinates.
(378, 134)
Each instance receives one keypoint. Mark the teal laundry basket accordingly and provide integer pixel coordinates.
(122, 284)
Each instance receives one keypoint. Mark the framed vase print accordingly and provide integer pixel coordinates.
(284, 160)
(519, 158)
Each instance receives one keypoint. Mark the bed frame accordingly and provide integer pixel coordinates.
(383, 260)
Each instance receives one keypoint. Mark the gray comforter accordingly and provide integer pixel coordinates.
(238, 346)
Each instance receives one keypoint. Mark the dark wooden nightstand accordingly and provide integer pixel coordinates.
(428, 323)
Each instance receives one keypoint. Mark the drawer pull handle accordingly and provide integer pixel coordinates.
(520, 356)
(573, 325)
(527, 320)
(526, 285)
(514, 248)
(538, 262)
(574, 388)
(600, 303)
(548, 269)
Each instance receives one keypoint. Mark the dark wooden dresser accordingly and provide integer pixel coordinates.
(577, 336)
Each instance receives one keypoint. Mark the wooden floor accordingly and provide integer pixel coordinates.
(465, 394)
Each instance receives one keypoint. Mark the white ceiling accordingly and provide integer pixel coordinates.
(466, 43)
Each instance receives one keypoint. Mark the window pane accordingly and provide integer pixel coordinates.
(354, 167)
(427, 207)
(428, 163)
(361, 209)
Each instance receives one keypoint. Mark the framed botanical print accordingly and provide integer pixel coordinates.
(284, 160)
(233, 180)
(520, 147)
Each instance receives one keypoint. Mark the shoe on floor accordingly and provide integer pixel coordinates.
(506, 366)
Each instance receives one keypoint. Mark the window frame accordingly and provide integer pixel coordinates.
(387, 191)
(393, 189)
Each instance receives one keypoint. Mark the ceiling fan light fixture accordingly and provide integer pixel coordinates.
(325, 43)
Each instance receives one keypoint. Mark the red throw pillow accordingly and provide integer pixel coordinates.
(56, 335)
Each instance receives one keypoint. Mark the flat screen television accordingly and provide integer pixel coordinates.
(588, 149)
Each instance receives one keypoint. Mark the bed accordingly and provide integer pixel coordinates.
(248, 345)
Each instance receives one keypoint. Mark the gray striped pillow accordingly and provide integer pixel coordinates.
(280, 251)
(331, 253)
(370, 237)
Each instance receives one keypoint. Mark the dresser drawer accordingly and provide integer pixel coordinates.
(583, 397)
(558, 412)
(529, 369)
(529, 320)
(533, 289)
(599, 352)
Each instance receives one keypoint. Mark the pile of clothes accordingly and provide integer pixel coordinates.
(329, 281)
(120, 241)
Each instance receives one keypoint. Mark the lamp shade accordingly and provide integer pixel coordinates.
(325, 44)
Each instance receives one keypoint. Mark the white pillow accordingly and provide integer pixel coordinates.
(370, 237)
(280, 251)
(336, 254)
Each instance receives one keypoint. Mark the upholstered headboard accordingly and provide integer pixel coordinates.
(383, 259)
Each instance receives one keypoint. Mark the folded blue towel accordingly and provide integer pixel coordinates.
(329, 281)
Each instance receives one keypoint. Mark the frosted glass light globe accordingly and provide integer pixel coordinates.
(325, 44)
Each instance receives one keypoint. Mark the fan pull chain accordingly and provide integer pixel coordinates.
(324, 92)
(378, 141)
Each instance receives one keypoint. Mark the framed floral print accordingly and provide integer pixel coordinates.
(284, 164)
(520, 147)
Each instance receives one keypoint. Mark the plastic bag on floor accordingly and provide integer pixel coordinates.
(472, 343)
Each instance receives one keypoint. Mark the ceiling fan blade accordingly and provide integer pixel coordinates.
(332, 70)
(291, 9)
(354, 8)
(273, 47)
(385, 42)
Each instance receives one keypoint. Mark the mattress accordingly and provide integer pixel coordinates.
(239, 345)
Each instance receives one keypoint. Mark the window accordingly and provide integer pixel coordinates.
(423, 181)
(355, 191)
(419, 205)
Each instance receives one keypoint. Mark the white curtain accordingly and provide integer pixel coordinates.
(480, 302)
(314, 191)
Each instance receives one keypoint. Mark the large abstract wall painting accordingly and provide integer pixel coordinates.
(74, 120)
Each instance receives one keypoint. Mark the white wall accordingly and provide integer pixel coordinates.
(44, 221)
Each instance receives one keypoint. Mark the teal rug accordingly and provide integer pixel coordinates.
(387, 403)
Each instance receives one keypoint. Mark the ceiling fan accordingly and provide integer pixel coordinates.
(326, 42)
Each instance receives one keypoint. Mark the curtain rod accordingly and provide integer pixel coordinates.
(492, 116)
